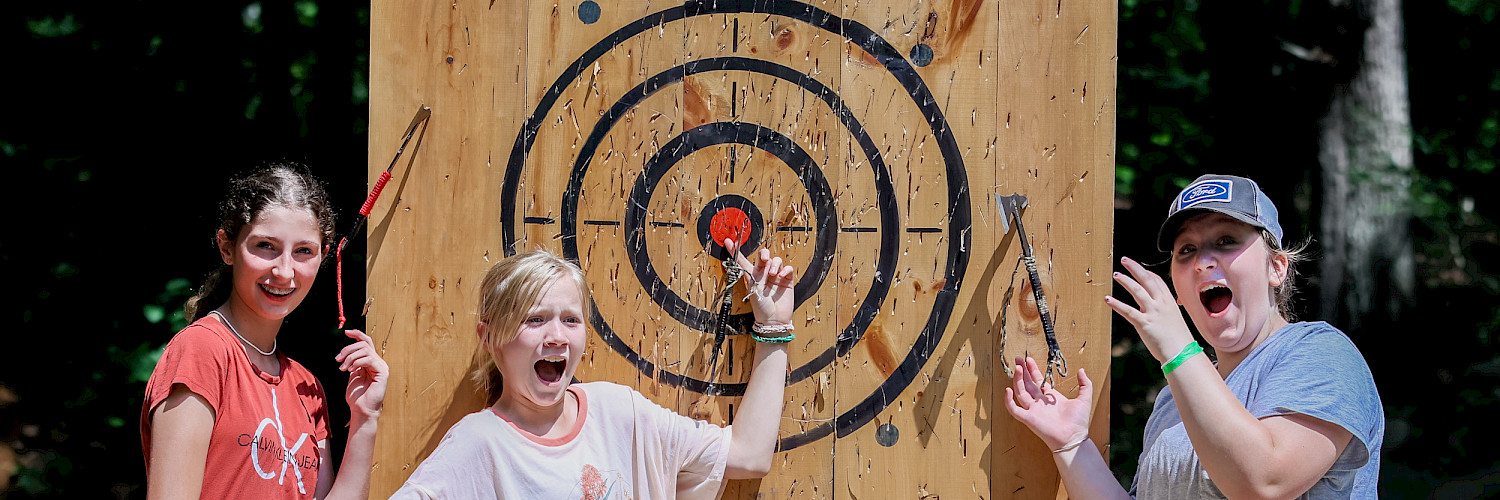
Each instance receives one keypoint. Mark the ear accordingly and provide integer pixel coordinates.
(226, 247)
(481, 331)
(1279, 267)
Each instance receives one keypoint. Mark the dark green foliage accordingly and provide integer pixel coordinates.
(125, 119)
(1239, 87)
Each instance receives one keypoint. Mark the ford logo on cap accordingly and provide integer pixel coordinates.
(1204, 192)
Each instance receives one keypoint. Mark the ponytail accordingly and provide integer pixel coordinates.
(215, 291)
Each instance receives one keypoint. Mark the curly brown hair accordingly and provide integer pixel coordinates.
(289, 185)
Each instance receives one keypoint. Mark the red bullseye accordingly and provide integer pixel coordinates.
(730, 224)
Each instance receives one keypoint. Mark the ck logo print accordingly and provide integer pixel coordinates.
(1204, 192)
(266, 447)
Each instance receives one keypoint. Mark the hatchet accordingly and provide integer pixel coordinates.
(1010, 208)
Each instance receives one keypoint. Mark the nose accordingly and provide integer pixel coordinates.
(1206, 261)
(282, 267)
(554, 336)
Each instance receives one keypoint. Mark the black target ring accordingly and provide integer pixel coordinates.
(712, 208)
(674, 151)
(903, 72)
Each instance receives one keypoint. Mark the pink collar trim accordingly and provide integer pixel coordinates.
(583, 412)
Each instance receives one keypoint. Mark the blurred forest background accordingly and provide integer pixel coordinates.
(1371, 123)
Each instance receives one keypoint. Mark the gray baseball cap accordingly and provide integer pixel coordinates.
(1236, 197)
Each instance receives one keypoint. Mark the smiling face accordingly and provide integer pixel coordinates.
(274, 260)
(1224, 273)
(538, 364)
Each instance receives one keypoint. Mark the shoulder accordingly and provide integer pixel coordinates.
(608, 395)
(465, 462)
(482, 422)
(203, 349)
(1316, 342)
(471, 435)
(205, 336)
(603, 388)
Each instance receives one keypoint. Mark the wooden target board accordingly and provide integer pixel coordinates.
(865, 142)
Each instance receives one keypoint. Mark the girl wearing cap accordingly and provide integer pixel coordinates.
(226, 414)
(546, 437)
(1288, 410)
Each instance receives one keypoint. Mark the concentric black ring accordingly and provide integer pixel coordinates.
(901, 70)
(705, 222)
(713, 134)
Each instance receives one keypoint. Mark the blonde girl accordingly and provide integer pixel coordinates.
(547, 437)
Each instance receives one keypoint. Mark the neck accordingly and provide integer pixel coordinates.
(1229, 360)
(256, 329)
(541, 421)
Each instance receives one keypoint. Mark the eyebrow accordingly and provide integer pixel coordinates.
(278, 240)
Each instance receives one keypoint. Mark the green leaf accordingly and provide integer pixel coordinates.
(1124, 177)
(1162, 138)
(115, 422)
(250, 16)
(154, 313)
(144, 362)
(307, 13)
(52, 28)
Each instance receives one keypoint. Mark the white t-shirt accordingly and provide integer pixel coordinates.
(623, 447)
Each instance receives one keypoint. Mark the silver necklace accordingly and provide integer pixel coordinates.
(236, 333)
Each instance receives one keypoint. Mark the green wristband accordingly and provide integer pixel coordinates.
(1188, 351)
(773, 340)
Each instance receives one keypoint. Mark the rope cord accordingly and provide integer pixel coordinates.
(732, 274)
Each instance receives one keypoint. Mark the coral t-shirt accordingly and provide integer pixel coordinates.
(266, 428)
(623, 447)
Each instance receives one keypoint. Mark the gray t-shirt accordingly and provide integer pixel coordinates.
(1307, 368)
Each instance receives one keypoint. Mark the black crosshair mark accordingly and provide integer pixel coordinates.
(900, 69)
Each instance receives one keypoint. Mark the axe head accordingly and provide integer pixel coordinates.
(1010, 206)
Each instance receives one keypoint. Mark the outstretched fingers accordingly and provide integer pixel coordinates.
(360, 354)
(1132, 286)
(1085, 389)
(1145, 280)
(1130, 314)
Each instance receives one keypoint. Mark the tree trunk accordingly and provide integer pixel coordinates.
(1366, 156)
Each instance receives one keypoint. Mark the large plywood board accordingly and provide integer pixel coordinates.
(867, 140)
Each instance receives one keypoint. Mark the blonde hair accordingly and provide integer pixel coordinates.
(1282, 294)
(507, 293)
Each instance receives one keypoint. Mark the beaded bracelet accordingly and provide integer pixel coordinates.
(759, 329)
(1188, 351)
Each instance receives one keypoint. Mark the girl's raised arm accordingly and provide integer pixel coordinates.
(758, 419)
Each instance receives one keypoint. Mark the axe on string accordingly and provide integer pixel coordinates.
(1010, 208)
(421, 117)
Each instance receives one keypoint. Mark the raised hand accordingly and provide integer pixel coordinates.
(1052, 416)
(1158, 320)
(769, 283)
(367, 375)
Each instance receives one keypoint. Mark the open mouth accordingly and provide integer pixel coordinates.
(1215, 297)
(550, 368)
(279, 292)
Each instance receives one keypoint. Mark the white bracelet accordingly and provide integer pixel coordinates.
(772, 329)
(1072, 445)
